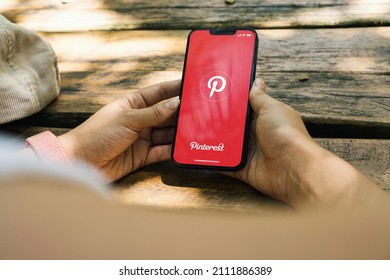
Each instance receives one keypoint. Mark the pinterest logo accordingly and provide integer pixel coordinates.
(212, 84)
(215, 86)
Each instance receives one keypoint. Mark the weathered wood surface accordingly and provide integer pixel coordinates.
(349, 72)
(47, 15)
(166, 186)
(348, 86)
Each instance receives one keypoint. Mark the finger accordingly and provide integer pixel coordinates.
(240, 173)
(158, 153)
(169, 123)
(156, 93)
(162, 136)
(258, 96)
(229, 173)
(235, 174)
(153, 115)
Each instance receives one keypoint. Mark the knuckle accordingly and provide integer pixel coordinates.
(156, 111)
(131, 100)
(132, 120)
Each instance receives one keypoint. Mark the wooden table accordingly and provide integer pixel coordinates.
(330, 60)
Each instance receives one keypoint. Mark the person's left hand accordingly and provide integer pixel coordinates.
(127, 134)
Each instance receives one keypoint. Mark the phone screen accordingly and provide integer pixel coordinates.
(214, 110)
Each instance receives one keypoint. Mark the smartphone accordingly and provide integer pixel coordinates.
(214, 112)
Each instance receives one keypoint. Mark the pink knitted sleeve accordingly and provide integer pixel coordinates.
(48, 148)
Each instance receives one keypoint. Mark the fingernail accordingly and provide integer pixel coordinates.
(260, 84)
(172, 103)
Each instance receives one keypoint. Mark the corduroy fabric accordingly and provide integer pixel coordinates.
(29, 78)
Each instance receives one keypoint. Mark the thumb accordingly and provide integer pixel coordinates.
(258, 96)
(156, 114)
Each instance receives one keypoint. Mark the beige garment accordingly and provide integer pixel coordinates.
(29, 78)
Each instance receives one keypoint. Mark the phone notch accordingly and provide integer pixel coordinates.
(222, 31)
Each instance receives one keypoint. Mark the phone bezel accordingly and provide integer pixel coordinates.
(217, 32)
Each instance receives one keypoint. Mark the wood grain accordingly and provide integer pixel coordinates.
(356, 50)
(348, 72)
(166, 186)
(70, 15)
(346, 84)
(163, 185)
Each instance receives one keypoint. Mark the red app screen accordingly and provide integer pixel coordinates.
(214, 99)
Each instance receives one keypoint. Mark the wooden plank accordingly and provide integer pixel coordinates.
(353, 99)
(71, 15)
(357, 50)
(163, 185)
(166, 186)
(348, 71)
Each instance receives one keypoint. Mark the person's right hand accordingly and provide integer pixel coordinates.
(277, 131)
(285, 163)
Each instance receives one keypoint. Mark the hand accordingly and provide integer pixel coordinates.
(284, 162)
(276, 133)
(128, 133)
